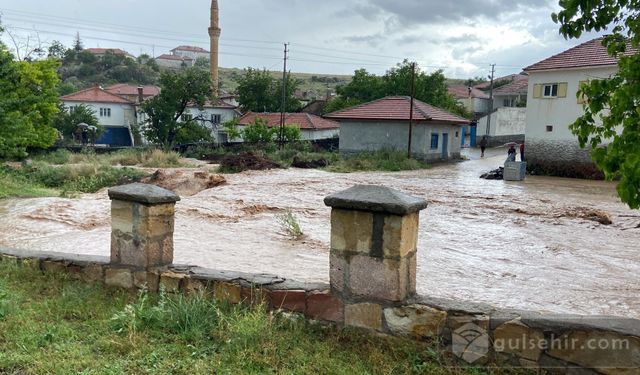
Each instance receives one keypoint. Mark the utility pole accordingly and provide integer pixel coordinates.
(413, 84)
(493, 71)
(284, 95)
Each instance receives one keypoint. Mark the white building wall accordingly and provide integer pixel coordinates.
(505, 121)
(122, 115)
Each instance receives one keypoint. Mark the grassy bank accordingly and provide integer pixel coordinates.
(65, 173)
(50, 324)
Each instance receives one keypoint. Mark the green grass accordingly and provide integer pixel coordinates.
(386, 161)
(19, 186)
(149, 158)
(51, 324)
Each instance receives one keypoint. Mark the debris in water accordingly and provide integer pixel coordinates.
(247, 161)
(496, 174)
(309, 164)
(185, 183)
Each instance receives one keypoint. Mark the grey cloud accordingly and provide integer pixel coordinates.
(438, 11)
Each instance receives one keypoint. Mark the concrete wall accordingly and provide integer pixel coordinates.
(475, 105)
(507, 125)
(557, 151)
(358, 136)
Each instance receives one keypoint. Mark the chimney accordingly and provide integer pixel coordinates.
(140, 94)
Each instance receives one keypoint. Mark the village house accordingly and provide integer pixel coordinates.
(115, 113)
(472, 99)
(383, 124)
(553, 105)
(212, 116)
(508, 117)
(134, 93)
(312, 127)
(191, 52)
(174, 62)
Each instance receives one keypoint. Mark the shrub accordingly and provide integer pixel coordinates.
(289, 223)
(258, 132)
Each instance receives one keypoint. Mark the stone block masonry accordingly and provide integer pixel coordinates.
(142, 223)
(372, 286)
(373, 244)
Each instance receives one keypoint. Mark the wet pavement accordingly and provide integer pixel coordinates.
(524, 244)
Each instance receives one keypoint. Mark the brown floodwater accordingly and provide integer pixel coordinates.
(528, 244)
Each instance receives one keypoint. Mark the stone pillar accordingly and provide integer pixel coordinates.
(142, 221)
(374, 232)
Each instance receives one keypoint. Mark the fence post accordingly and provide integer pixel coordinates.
(142, 222)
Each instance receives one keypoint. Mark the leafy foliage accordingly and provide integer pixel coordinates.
(611, 120)
(164, 125)
(28, 104)
(67, 120)
(259, 91)
(258, 132)
(365, 87)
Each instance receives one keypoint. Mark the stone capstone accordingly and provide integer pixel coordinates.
(142, 193)
(376, 199)
(415, 321)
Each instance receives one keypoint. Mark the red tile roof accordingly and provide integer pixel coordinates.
(517, 86)
(127, 89)
(95, 95)
(462, 92)
(305, 121)
(396, 108)
(190, 49)
(173, 57)
(591, 53)
(218, 104)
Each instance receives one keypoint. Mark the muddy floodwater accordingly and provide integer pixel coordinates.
(535, 244)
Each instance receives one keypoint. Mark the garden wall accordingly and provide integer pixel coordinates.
(372, 285)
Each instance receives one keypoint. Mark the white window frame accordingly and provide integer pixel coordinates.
(551, 87)
(105, 112)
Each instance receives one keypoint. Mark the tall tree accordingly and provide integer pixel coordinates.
(365, 87)
(164, 124)
(611, 103)
(259, 91)
(28, 104)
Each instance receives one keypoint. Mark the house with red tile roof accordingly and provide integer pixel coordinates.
(312, 127)
(174, 61)
(114, 112)
(553, 104)
(474, 100)
(191, 52)
(383, 124)
(134, 93)
(507, 121)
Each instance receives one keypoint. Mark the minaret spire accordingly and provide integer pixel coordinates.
(214, 35)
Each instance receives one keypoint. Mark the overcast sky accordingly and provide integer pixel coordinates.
(331, 36)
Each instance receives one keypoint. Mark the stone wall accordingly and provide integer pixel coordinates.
(560, 158)
(372, 287)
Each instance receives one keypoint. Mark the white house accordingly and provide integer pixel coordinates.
(312, 127)
(191, 52)
(174, 62)
(553, 104)
(114, 112)
(508, 118)
(383, 124)
(474, 100)
(213, 115)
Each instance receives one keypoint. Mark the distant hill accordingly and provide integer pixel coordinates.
(315, 84)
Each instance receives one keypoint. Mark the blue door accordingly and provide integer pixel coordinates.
(472, 140)
(445, 145)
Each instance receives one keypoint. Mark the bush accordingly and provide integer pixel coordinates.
(385, 160)
(258, 132)
(289, 223)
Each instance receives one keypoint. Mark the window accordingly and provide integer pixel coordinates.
(456, 134)
(216, 119)
(550, 91)
(434, 141)
(186, 117)
(105, 112)
(549, 128)
(71, 108)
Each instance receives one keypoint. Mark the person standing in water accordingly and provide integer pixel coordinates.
(483, 145)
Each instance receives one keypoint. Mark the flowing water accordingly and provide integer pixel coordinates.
(524, 244)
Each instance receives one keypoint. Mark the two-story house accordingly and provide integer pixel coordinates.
(553, 104)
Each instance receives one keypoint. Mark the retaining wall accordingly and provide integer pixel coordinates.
(372, 285)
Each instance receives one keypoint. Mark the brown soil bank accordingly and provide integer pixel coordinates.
(247, 161)
(185, 182)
